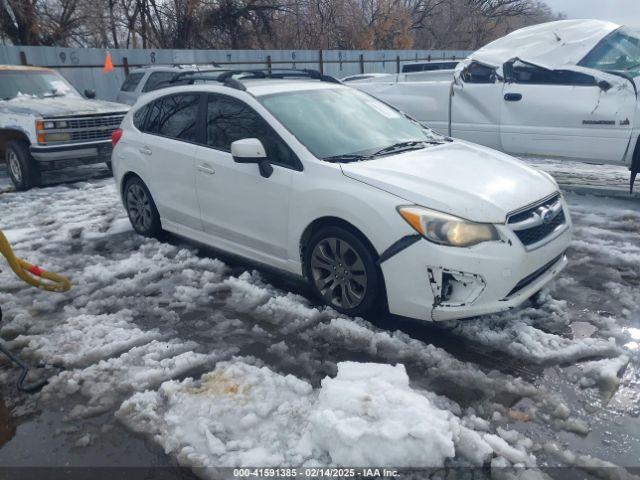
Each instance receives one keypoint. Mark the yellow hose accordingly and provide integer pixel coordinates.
(32, 274)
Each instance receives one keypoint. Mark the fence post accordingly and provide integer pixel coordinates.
(321, 61)
(23, 58)
(125, 64)
(361, 63)
(398, 64)
(269, 64)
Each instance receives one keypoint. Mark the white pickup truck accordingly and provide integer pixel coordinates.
(565, 89)
(45, 124)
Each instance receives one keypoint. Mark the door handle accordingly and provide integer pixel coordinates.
(206, 169)
(145, 150)
(513, 97)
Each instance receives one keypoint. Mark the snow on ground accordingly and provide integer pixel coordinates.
(274, 378)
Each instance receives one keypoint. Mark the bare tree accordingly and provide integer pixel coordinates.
(299, 24)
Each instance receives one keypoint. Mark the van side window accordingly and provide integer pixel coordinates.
(229, 120)
(131, 82)
(174, 116)
(157, 80)
(534, 75)
(478, 73)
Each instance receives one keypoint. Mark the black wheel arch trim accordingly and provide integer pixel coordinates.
(397, 247)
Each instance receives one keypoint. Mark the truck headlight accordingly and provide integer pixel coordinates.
(446, 229)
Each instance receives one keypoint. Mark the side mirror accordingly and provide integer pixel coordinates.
(251, 150)
(604, 85)
(90, 93)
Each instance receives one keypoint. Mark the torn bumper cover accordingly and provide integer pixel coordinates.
(434, 282)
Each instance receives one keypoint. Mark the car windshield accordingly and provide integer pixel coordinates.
(35, 83)
(617, 52)
(343, 124)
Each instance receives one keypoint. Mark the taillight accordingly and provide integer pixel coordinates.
(116, 136)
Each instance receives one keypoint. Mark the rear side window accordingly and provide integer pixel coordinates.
(131, 82)
(229, 120)
(478, 73)
(157, 80)
(174, 116)
(140, 116)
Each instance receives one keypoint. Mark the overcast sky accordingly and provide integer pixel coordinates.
(626, 12)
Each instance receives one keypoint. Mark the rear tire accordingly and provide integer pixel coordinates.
(141, 208)
(341, 271)
(24, 171)
(109, 167)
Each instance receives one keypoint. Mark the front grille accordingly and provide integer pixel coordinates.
(95, 121)
(87, 128)
(536, 234)
(529, 279)
(534, 224)
(88, 135)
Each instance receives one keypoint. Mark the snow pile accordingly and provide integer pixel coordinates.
(604, 374)
(397, 347)
(141, 368)
(288, 312)
(237, 415)
(521, 340)
(368, 415)
(85, 339)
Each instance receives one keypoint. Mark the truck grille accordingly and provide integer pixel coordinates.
(540, 223)
(86, 128)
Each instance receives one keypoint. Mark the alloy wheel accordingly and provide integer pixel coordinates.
(339, 273)
(139, 207)
(14, 166)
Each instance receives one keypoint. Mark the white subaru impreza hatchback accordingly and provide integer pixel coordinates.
(323, 181)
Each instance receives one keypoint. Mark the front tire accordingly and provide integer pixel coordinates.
(341, 271)
(141, 208)
(24, 171)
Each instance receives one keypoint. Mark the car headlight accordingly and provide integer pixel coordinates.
(446, 229)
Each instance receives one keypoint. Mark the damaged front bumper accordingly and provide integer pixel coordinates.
(434, 282)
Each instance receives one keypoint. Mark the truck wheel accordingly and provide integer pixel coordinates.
(342, 272)
(23, 169)
(109, 167)
(141, 208)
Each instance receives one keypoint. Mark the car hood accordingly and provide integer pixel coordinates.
(459, 178)
(59, 106)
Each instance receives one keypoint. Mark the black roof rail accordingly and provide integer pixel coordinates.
(226, 76)
(280, 73)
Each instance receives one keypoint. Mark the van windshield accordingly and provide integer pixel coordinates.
(34, 83)
(343, 124)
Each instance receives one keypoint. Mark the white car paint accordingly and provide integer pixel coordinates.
(202, 194)
(573, 121)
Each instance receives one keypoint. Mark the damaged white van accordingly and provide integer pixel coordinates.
(565, 89)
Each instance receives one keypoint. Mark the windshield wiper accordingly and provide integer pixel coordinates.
(346, 158)
(403, 147)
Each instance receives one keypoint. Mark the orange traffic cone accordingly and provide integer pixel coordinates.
(108, 64)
